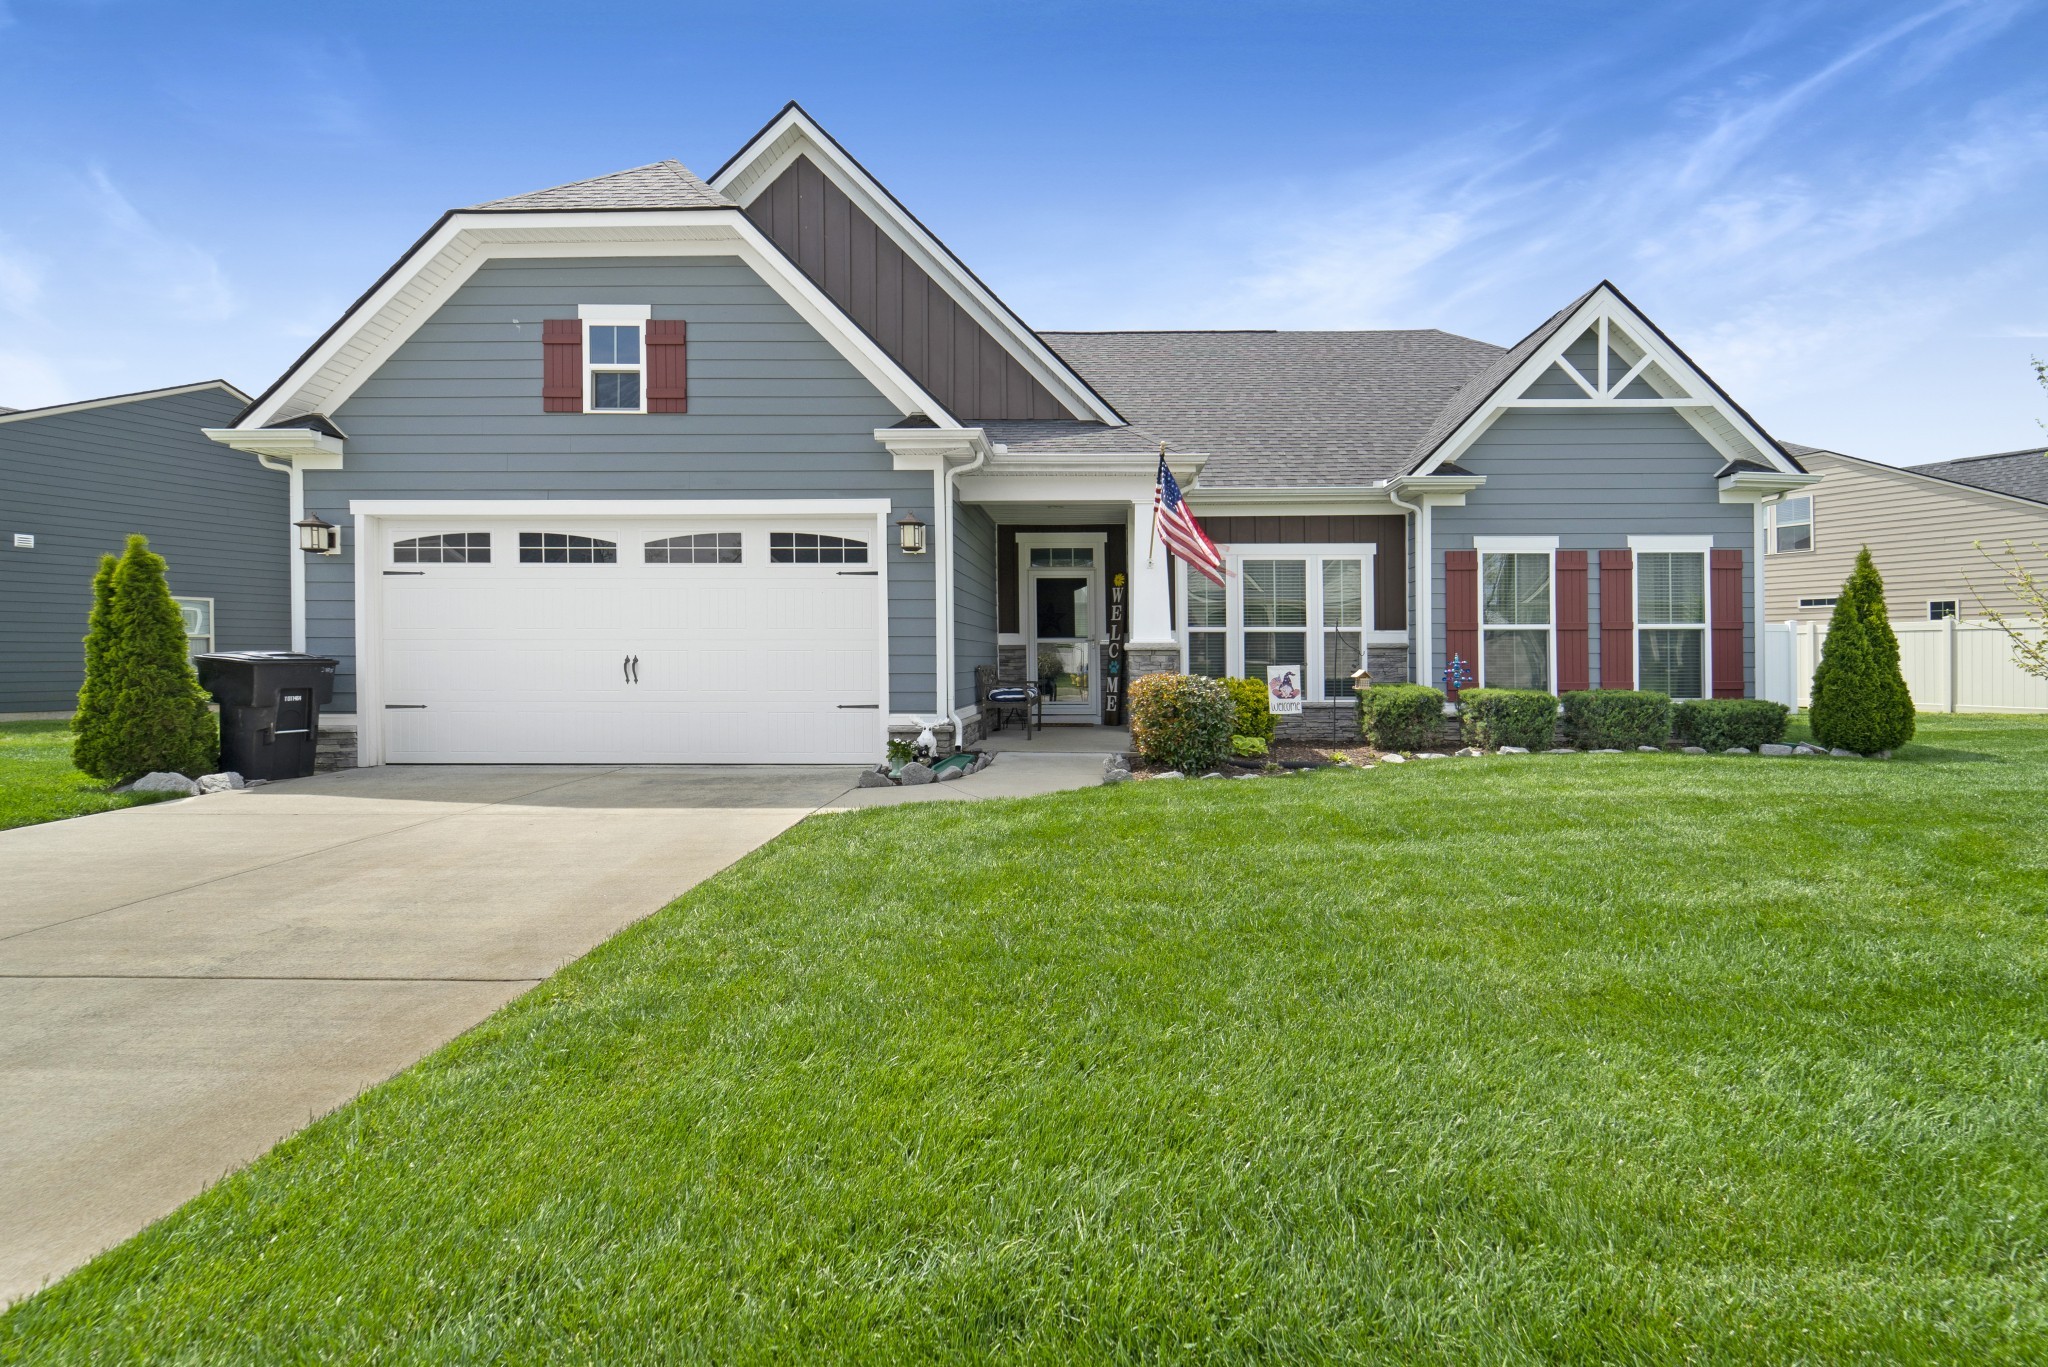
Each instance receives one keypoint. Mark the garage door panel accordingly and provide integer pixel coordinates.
(508, 663)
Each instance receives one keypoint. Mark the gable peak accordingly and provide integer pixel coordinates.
(658, 185)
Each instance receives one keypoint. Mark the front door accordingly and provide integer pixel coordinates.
(1062, 610)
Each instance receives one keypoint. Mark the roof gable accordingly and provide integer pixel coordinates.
(947, 349)
(2017, 474)
(658, 185)
(1599, 351)
(112, 400)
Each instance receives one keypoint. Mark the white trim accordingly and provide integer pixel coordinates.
(370, 553)
(793, 133)
(302, 446)
(1515, 545)
(1811, 523)
(614, 314)
(1314, 554)
(1716, 418)
(368, 335)
(59, 409)
(1640, 544)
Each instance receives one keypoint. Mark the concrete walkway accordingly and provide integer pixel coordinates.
(183, 985)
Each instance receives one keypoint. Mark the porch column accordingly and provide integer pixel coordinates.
(1152, 647)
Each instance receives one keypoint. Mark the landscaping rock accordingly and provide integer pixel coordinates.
(870, 779)
(220, 783)
(1648, 750)
(1471, 752)
(1693, 750)
(1561, 750)
(1393, 759)
(913, 774)
(1736, 750)
(1805, 749)
(982, 759)
(1170, 773)
(1772, 748)
(1603, 752)
(947, 775)
(1514, 749)
(1431, 754)
(1251, 776)
(1212, 776)
(1882, 754)
(1839, 753)
(1117, 776)
(163, 783)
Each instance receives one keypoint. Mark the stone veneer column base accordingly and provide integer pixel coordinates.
(942, 732)
(1321, 723)
(334, 748)
(1150, 659)
(1388, 664)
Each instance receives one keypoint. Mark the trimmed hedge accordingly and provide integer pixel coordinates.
(1493, 717)
(1723, 723)
(1616, 719)
(1182, 721)
(1400, 716)
(1254, 714)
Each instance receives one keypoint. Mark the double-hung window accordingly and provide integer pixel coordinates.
(198, 616)
(1671, 622)
(1515, 623)
(615, 367)
(1303, 608)
(1792, 524)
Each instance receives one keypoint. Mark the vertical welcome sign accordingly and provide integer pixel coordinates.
(1113, 655)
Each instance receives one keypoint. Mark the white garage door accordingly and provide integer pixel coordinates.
(643, 641)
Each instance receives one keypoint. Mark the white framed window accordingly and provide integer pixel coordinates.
(1062, 557)
(1671, 622)
(1938, 608)
(614, 357)
(198, 615)
(443, 548)
(1792, 524)
(695, 548)
(1515, 626)
(815, 548)
(565, 548)
(1816, 602)
(1308, 606)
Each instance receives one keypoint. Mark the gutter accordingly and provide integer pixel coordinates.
(1421, 586)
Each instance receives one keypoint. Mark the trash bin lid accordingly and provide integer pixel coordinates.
(270, 657)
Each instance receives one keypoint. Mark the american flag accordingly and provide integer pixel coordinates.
(1184, 536)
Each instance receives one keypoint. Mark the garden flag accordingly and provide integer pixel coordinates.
(1184, 536)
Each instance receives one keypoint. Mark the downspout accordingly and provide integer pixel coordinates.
(948, 675)
(1423, 643)
(296, 560)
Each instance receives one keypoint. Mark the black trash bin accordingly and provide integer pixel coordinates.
(269, 708)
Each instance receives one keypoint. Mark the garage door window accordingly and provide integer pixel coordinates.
(560, 548)
(815, 548)
(445, 548)
(701, 548)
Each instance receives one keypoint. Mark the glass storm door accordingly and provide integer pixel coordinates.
(1063, 640)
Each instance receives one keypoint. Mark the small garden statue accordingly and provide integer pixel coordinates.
(1457, 675)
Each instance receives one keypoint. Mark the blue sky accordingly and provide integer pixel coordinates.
(1840, 210)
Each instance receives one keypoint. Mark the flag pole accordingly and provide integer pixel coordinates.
(1152, 546)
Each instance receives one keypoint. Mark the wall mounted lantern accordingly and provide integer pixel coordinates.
(318, 536)
(910, 534)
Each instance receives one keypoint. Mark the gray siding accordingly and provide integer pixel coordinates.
(775, 412)
(1593, 478)
(974, 597)
(81, 482)
(909, 314)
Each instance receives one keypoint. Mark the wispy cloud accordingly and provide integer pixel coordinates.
(21, 279)
(178, 274)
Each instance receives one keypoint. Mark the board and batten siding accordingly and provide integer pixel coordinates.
(909, 314)
(974, 597)
(1593, 478)
(81, 482)
(775, 412)
(1921, 533)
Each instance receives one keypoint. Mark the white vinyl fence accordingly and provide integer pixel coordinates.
(1950, 666)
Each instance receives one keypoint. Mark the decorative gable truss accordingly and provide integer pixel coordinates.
(1605, 354)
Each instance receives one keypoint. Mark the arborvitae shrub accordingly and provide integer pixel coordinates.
(141, 708)
(1860, 700)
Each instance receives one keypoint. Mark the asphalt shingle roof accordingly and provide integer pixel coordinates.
(658, 185)
(2022, 474)
(1062, 435)
(1280, 408)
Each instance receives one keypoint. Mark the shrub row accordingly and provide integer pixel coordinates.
(1721, 723)
(1409, 717)
(1493, 717)
(1400, 716)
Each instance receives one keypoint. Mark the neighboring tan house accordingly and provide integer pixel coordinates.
(649, 468)
(77, 478)
(1922, 523)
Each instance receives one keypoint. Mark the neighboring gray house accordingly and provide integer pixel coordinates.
(76, 479)
(648, 468)
(1923, 524)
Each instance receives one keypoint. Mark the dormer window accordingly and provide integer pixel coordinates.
(615, 367)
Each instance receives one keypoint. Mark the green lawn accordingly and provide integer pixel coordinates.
(37, 782)
(1600, 1058)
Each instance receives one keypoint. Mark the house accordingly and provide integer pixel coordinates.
(1922, 523)
(77, 478)
(654, 468)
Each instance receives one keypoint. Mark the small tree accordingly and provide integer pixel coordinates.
(2029, 629)
(141, 708)
(1860, 700)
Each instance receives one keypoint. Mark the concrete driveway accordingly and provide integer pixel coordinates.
(182, 985)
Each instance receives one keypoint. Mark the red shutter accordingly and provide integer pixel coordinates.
(1725, 588)
(1574, 663)
(1461, 610)
(668, 371)
(1617, 619)
(561, 369)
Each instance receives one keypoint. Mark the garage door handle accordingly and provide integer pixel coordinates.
(625, 668)
(636, 669)
(859, 572)
(859, 706)
(405, 707)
